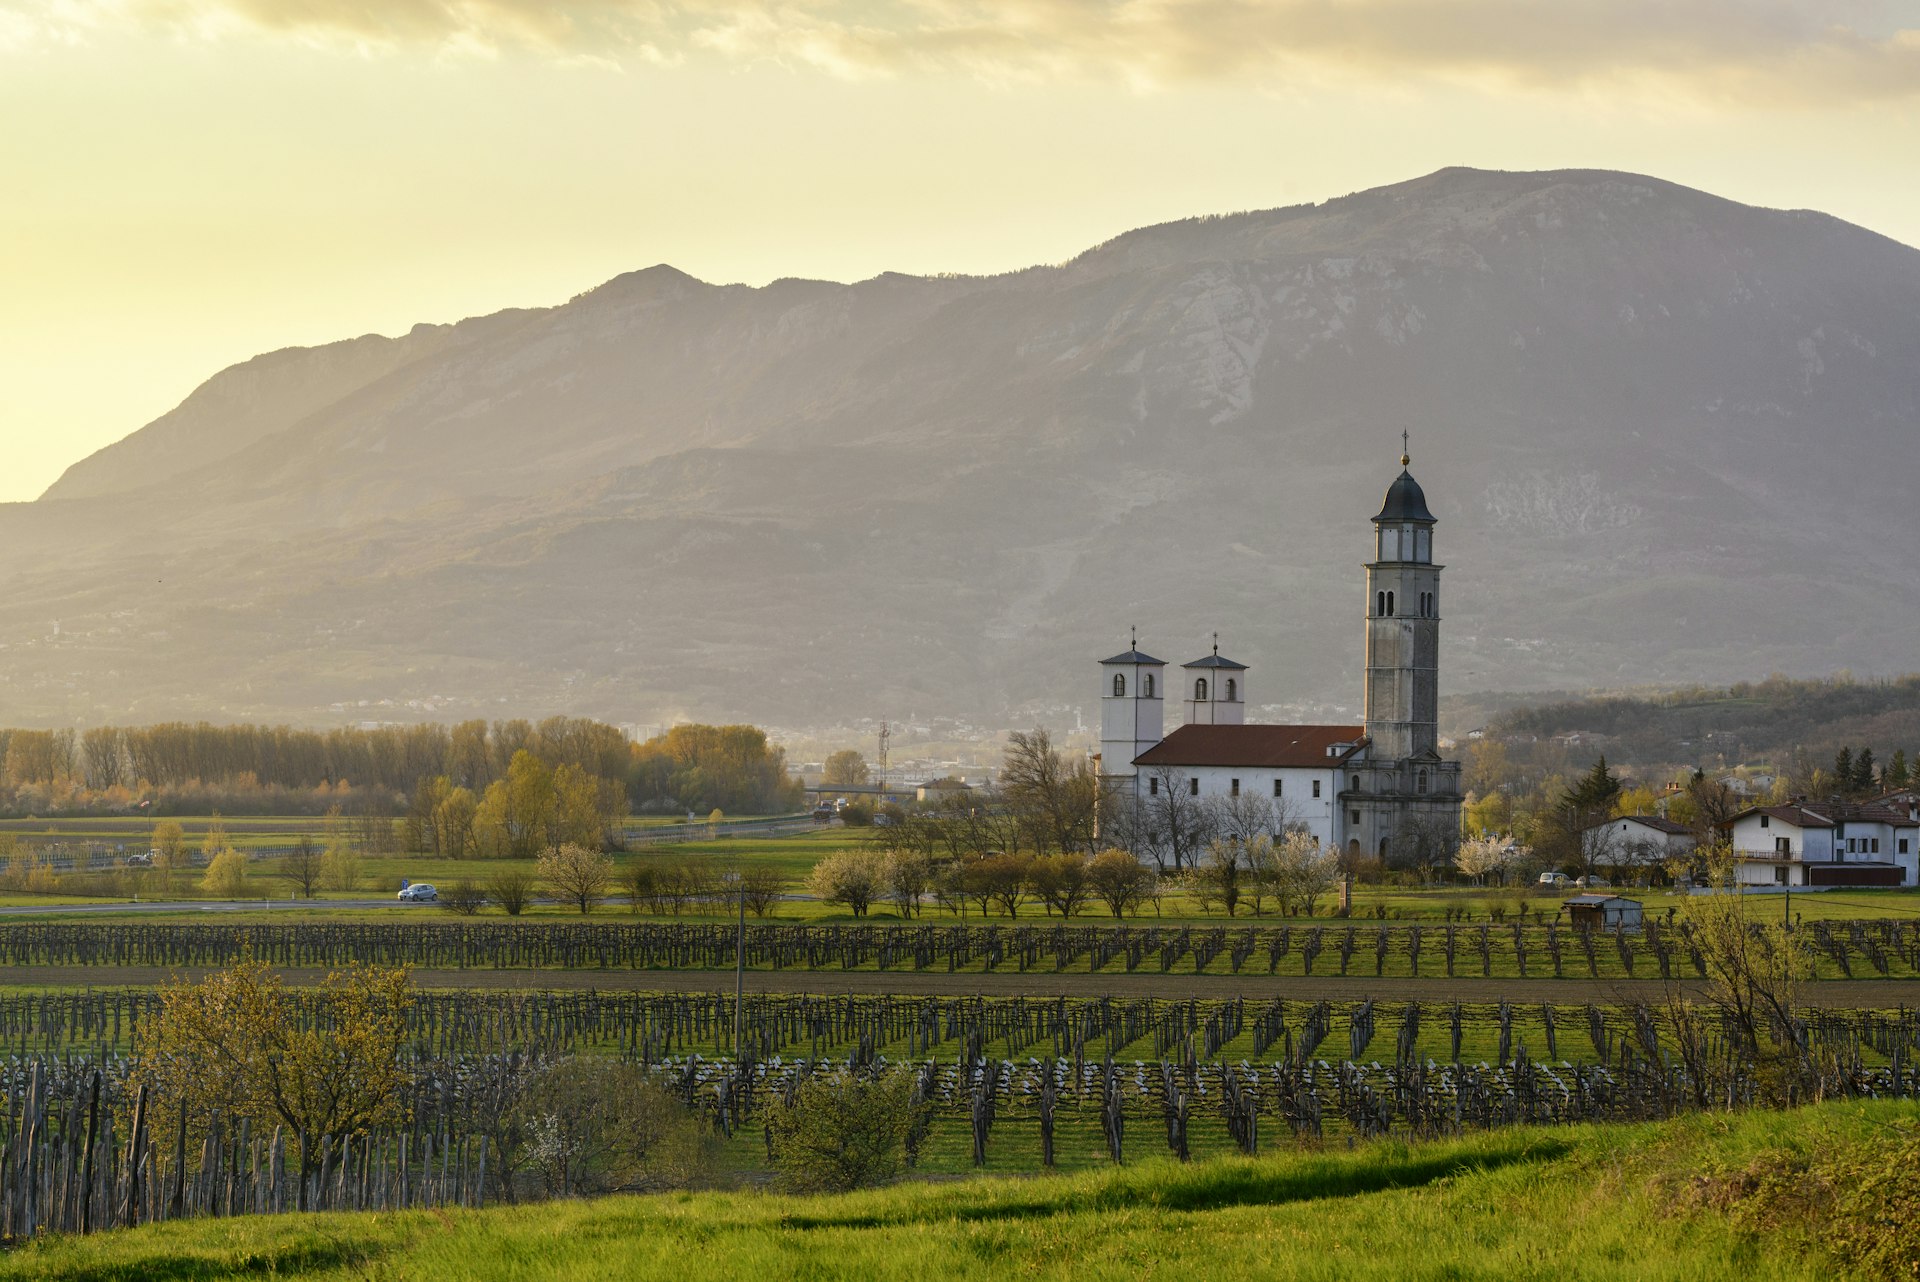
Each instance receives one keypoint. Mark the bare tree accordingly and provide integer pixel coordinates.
(512, 889)
(1423, 843)
(303, 866)
(1055, 800)
(1179, 822)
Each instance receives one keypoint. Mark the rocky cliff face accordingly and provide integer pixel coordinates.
(1663, 434)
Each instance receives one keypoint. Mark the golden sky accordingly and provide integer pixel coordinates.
(186, 183)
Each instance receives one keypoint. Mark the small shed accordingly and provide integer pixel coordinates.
(940, 789)
(1603, 912)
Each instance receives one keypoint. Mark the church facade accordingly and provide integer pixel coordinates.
(1380, 788)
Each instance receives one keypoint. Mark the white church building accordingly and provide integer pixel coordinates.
(1368, 788)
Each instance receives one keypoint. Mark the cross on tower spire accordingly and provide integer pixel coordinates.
(1406, 452)
(1216, 645)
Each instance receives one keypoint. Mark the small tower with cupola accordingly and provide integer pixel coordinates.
(1216, 693)
(1132, 708)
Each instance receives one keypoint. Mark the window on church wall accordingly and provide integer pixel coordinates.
(1119, 686)
(1380, 604)
(1233, 787)
(1355, 783)
(1389, 603)
(1193, 787)
(1316, 787)
(1146, 687)
(1233, 689)
(1420, 781)
(1153, 786)
(1200, 690)
(1276, 792)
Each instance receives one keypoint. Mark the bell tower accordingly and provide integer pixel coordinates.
(1403, 626)
(1132, 703)
(1216, 693)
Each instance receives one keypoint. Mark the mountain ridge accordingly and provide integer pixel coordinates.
(1644, 414)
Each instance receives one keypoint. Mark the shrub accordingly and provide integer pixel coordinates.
(596, 1125)
(841, 1132)
(512, 889)
(226, 876)
(463, 897)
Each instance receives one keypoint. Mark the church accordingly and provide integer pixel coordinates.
(1379, 789)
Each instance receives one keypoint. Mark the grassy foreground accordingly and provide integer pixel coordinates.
(1654, 1201)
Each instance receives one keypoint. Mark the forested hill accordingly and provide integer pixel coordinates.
(1776, 721)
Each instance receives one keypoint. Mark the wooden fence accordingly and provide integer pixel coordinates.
(72, 1165)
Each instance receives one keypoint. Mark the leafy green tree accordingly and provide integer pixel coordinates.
(845, 768)
(237, 1044)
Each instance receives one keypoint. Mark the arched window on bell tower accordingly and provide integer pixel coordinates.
(1119, 685)
(1200, 690)
(1146, 686)
(1233, 690)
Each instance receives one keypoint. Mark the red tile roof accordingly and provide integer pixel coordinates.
(1269, 747)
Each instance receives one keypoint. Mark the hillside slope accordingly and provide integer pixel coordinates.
(1665, 1201)
(1654, 425)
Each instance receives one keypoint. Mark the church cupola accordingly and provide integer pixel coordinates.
(1216, 691)
(1404, 527)
(1132, 703)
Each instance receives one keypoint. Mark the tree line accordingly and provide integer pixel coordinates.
(180, 767)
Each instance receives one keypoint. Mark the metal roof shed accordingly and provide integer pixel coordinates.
(1604, 912)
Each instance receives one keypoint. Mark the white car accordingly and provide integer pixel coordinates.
(419, 893)
(1553, 879)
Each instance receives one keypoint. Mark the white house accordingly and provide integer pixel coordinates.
(1826, 844)
(1635, 841)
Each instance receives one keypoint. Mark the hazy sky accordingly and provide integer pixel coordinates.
(185, 183)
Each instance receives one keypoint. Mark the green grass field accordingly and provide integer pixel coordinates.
(1656, 1201)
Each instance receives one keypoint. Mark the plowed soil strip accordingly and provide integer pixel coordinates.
(1864, 994)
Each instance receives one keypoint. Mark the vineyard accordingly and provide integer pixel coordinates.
(1838, 949)
(81, 1154)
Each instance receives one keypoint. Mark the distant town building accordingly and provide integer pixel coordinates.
(1368, 788)
(941, 789)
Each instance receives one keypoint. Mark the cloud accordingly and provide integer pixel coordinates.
(1753, 51)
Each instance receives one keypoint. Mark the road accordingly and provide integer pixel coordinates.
(201, 905)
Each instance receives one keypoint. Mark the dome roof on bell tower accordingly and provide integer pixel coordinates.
(1406, 501)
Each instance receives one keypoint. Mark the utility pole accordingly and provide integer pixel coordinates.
(880, 757)
(739, 963)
